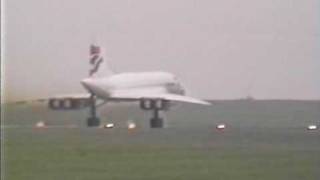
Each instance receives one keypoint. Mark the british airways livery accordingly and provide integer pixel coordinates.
(155, 91)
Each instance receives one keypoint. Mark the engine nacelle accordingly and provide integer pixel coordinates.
(151, 104)
(68, 103)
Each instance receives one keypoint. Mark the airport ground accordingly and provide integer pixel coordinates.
(263, 140)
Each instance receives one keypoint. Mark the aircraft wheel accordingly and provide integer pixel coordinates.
(156, 123)
(93, 122)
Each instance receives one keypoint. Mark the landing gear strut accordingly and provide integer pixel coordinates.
(156, 121)
(155, 105)
(93, 120)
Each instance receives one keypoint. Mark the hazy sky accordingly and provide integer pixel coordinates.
(219, 49)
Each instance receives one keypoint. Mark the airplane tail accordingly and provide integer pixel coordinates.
(98, 62)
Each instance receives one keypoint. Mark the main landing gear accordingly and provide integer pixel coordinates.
(155, 105)
(156, 121)
(93, 120)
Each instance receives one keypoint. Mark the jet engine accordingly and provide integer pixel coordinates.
(154, 104)
(68, 103)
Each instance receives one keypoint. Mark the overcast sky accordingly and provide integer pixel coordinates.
(219, 49)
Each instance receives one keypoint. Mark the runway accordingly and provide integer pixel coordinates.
(264, 140)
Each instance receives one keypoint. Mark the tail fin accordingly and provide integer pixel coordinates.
(99, 66)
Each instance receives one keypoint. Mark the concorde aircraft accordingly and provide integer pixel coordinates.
(155, 90)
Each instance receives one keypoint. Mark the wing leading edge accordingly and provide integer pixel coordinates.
(130, 97)
(165, 96)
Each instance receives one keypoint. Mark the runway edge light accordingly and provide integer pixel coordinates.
(221, 126)
(40, 124)
(108, 126)
(312, 127)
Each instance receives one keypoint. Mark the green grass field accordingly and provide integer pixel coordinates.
(263, 140)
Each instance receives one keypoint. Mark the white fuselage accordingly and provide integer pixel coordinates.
(137, 82)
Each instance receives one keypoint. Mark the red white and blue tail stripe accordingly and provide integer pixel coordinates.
(96, 59)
